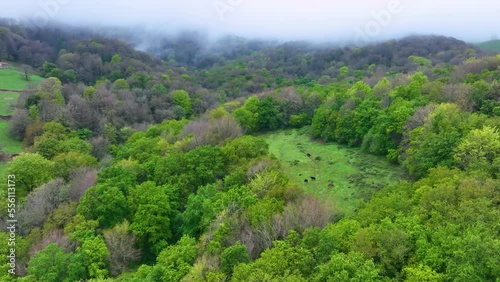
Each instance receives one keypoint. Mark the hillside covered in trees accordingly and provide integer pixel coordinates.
(151, 165)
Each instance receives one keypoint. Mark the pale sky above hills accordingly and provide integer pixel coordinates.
(358, 20)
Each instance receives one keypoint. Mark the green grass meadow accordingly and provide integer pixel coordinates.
(7, 100)
(345, 177)
(10, 79)
(7, 143)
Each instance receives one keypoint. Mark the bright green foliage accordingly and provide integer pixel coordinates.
(176, 260)
(209, 201)
(151, 215)
(269, 113)
(336, 238)
(244, 149)
(122, 175)
(81, 228)
(344, 71)
(382, 88)
(65, 163)
(422, 273)
(159, 89)
(456, 237)
(195, 168)
(443, 227)
(49, 143)
(104, 203)
(258, 115)
(53, 264)
(233, 256)
(283, 259)
(268, 183)
(262, 212)
(55, 130)
(95, 256)
(31, 171)
(413, 90)
(139, 147)
(300, 120)
(181, 98)
(51, 88)
(247, 119)
(200, 210)
(479, 150)
(351, 267)
(385, 136)
(248, 115)
(121, 84)
(480, 96)
(75, 145)
(141, 80)
(393, 201)
(421, 61)
(116, 59)
(89, 92)
(433, 143)
(47, 147)
(168, 129)
(323, 124)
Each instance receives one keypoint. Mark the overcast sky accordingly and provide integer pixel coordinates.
(349, 20)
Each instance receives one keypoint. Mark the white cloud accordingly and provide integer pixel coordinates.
(289, 19)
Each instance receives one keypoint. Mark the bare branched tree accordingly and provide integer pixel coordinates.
(121, 245)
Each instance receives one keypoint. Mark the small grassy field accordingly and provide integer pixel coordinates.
(11, 79)
(7, 143)
(7, 99)
(344, 176)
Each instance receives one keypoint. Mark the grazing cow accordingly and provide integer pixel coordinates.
(308, 155)
(305, 180)
(313, 178)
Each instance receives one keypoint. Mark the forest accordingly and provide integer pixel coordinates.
(165, 164)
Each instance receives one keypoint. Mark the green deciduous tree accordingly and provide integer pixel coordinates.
(151, 215)
(176, 260)
(53, 264)
(65, 163)
(433, 143)
(181, 98)
(31, 171)
(351, 267)
(233, 256)
(95, 255)
(284, 259)
(478, 150)
(104, 203)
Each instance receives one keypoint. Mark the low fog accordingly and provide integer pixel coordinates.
(358, 21)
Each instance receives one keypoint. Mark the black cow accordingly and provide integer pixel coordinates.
(313, 178)
(308, 155)
(305, 180)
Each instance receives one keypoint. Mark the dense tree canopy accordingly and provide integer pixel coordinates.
(138, 169)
